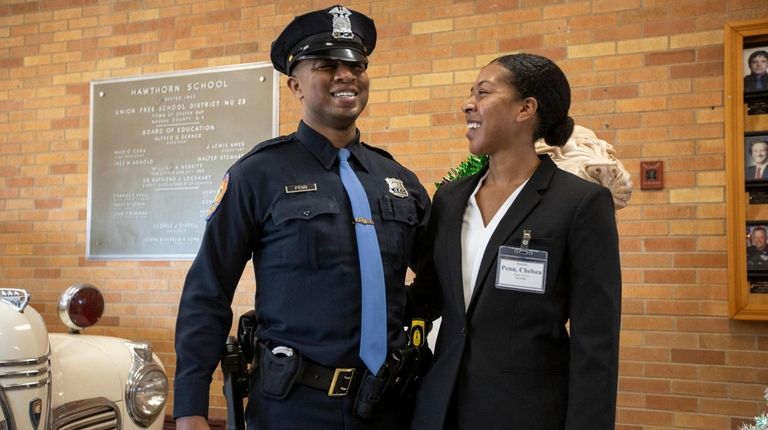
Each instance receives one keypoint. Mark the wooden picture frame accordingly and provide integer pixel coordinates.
(746, 121)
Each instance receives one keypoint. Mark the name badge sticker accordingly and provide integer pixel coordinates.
(521, 269)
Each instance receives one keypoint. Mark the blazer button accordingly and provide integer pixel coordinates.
(463, 331)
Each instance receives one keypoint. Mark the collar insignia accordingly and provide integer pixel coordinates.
(342, 27)
(396, 187)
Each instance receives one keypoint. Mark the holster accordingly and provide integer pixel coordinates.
(400, 375)
(370, 393)
(404, 371)
(238, 366)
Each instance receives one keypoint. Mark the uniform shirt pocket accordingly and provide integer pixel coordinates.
(400, 217)
(306, 224)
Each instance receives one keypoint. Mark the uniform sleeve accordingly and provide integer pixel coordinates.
(424, 294)
(205, 316)
(595, 313)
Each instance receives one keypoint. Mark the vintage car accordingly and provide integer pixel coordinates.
(72, 381)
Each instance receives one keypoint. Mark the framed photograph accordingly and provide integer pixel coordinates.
(755, 69)
(757, 246)
(746, 127)
(756, 158)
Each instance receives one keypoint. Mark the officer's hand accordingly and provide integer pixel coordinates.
(192, 423)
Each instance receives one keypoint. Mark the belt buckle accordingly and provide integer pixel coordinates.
(342, 380)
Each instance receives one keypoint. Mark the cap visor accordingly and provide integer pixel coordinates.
(342, 54)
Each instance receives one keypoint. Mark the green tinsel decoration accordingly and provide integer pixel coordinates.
(470, 166)
(761, 422)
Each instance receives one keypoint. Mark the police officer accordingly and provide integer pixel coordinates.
(284, 206)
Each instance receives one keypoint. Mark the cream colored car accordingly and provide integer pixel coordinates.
(73, 381)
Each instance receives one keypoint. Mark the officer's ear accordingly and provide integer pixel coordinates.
(294, 84)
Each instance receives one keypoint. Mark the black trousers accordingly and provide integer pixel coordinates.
(307, 408)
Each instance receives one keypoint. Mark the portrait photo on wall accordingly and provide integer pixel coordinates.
(757, 256)
(756, 159)
(757, 246)
(756, 69)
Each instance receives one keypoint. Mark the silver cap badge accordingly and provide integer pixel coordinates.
(342, 27)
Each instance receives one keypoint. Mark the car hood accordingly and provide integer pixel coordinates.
(75, 375)
(23, 335)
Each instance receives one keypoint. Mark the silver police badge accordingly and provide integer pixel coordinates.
(396, 187)
(342, 27)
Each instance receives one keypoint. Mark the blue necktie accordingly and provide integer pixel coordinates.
(373, 329)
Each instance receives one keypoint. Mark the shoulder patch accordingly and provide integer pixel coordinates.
(219, 195)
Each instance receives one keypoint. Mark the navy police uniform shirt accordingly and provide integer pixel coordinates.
(283, 206)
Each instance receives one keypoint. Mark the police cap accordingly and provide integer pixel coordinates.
(336, 33)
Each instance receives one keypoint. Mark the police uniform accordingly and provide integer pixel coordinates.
(283, 205)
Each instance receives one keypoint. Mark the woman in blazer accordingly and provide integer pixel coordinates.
(528, 263)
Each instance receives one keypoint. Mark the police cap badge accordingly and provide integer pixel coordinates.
(336, 33)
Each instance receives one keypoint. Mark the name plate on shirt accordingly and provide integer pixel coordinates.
(521, 269)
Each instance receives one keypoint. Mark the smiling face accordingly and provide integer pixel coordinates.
(759, 64)
(493, 111)
(333, 93)
(760, 152)
(758, 238)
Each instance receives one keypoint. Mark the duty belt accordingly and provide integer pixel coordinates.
(337, 382)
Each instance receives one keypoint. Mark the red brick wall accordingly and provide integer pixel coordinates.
(647, 77)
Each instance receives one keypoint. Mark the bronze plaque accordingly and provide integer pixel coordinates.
(160, 144)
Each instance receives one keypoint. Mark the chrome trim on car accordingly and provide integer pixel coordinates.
(89, 414)
(16, 297)
(10, 421)
(24, 361)
(28, 376)
(21, 373)
(23, 378)
(25, 385)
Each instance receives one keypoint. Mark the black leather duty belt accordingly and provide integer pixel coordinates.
(336, 382)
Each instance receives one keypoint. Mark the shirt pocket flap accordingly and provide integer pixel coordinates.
(401, 210)
(305, 207)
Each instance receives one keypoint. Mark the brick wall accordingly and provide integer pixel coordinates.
(647, 77)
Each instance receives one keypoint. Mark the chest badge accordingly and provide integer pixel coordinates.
(396, 187)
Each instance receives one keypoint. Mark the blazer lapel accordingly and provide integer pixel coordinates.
(525, 202)
(453, 220)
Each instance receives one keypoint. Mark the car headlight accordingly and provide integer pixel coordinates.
(147, 389)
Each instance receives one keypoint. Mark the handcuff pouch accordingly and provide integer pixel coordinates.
(277, 373)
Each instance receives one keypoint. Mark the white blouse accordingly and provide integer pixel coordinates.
(475, 236)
